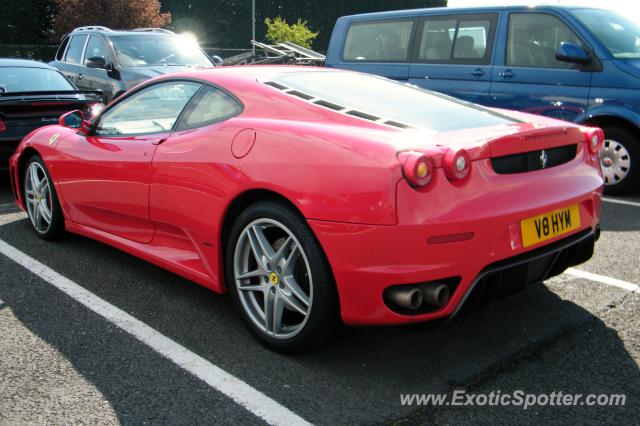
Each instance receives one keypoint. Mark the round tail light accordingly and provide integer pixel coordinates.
(594, 138)
(456, 164)
(417, 168)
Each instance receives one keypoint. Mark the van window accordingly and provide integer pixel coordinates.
(621, 36)
(456, 40)
(471, 39)
(534, 39)
(437, 39)
(74, 53)
(378, 41)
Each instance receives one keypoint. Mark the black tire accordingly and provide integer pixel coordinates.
(323, 311)
(631, 182)
(56, 228)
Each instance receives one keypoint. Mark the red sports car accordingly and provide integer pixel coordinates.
(314, 195)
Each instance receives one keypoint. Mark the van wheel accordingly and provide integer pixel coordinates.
(620, 161)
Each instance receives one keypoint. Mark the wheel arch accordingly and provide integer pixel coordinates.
(613, 121)
(25, 156)
(239, 203)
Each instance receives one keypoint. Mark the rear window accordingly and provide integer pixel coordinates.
(22, 79)
(378, 41)
(380, 99)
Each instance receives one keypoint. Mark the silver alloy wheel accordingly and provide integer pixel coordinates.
(38, 197)
(615, 162)
(273, 278)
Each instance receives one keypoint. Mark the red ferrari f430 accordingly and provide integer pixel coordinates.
(316, 196)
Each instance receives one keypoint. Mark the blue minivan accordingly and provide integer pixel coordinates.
(572, 63)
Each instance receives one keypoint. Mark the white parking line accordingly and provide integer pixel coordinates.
(603, 279)
(239, 391)
(616, 201)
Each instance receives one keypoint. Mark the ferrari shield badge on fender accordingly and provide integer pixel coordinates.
(54, 138)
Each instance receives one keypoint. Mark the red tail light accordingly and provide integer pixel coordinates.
(456, 164)
(2, 126)
(417, 168)
(594, 137)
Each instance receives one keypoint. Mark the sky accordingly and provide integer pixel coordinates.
(630, 8)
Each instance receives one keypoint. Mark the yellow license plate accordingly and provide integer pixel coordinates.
(548, 225)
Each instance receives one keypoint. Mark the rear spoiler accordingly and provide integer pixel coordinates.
(48, 94)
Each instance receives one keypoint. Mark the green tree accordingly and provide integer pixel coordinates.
(279, 31)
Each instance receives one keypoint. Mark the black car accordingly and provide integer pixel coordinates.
(33, 94)
(115, 61)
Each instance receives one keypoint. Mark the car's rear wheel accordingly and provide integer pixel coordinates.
(620, 160)
(41, 200)
(279, 278)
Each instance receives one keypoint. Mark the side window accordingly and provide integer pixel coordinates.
(378, 41)
(471, 39)
(61, 49)
(74, 53)
(534, 38)
(96, 49)
(152, 110)
(457, 39)
(210, 106)
(437, 39)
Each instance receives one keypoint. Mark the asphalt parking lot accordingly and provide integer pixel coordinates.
(61, 362)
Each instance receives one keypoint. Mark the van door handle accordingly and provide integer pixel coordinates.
(478, 72)
(507, 74)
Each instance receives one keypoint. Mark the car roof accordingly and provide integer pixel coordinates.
(477, 9)
(24, 63)
(133, 32)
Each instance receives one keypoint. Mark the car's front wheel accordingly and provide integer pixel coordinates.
(41, 200)
(279, 278)
(620, 160)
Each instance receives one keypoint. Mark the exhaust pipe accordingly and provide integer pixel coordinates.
(408, 298)
(435, 294)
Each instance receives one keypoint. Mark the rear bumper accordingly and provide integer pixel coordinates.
(367, 259)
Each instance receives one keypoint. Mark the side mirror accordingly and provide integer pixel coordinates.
(571, 52)
(96, 62)
(74, 120)
(217, 60)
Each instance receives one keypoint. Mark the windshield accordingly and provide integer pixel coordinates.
(145, 50)
(388, 100)
(619, 35)
(22, 79)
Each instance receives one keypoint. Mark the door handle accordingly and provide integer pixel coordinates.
(478, 72)
(507, 74)
(80, 76)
